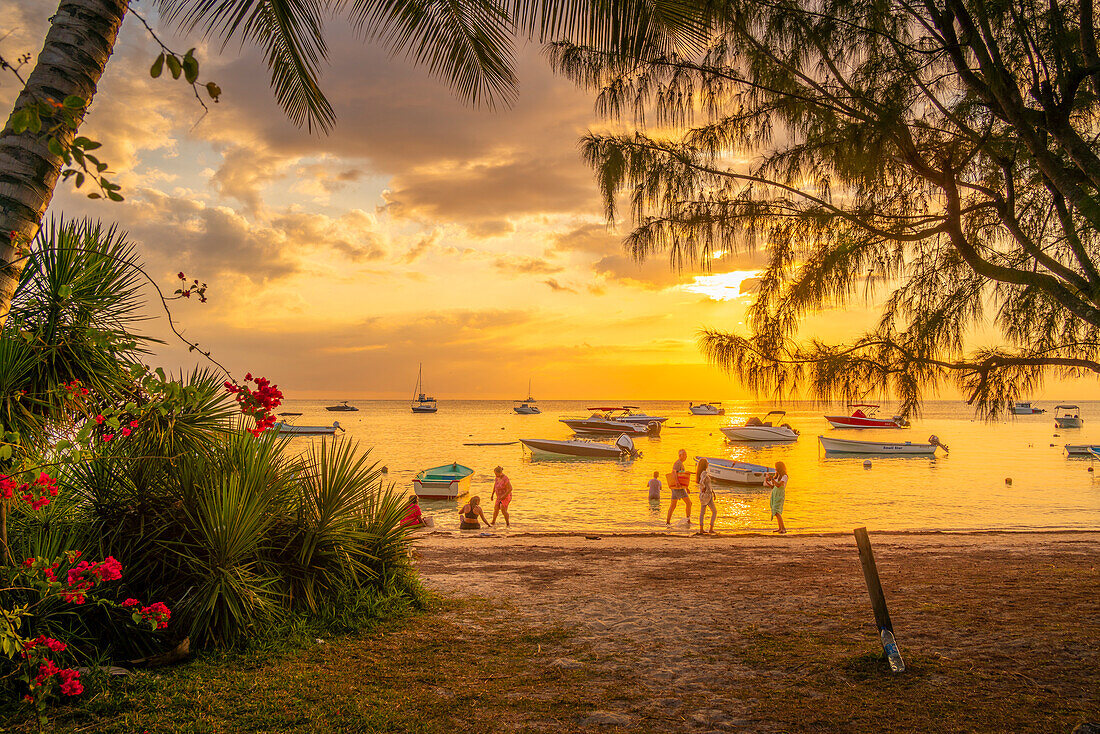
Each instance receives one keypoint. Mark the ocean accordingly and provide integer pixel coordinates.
(963, 490)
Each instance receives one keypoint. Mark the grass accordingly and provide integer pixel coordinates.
(469, 666)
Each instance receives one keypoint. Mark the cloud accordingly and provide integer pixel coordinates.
(524, 265)
(556, 286)
(423, 245)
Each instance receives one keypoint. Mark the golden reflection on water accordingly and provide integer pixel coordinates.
(964, 490)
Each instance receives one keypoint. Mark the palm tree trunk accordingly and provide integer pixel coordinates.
(81, 37)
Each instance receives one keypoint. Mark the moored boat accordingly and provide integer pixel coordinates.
(1082, 449)
(288, 429)
(1023, 408)
(342, 407)
(616, 420)
(736, 472)
(446, 482)
(766, 429)
(834, 445)
(527, 406)
(863, 416)
(422, 403)
(1067, 416)
(623, 448)
(714, 407)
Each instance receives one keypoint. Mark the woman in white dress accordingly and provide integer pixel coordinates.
(778, 483)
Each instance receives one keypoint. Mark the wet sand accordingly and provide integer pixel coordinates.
(771, 633)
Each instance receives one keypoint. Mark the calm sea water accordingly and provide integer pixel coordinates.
(965, 490)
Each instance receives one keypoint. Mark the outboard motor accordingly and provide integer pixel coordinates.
(935, 441)
(653, 428)
(336, 424)
(626, 444)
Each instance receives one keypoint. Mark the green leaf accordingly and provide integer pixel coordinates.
(19, 121)
(55, 147)
(158, 67)
(34, 124)
(86, 143)
(79, 180)
(190, 69)
(174, 66)
(64, 291)
(74, 102)
(114, 196)
(5, 452)
(213, 90)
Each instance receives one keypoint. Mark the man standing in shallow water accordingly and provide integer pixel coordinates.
(502, 490)
(680, 489)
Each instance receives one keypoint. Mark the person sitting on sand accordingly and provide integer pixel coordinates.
(680, 489)
(414, 516)
(778, 483)
(655, 487)
(502, 490)
(706, 495)
(469, 514)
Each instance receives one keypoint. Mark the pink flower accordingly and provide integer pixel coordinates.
(133, 424)
(70, 682)
(125, 432)
(130, 603)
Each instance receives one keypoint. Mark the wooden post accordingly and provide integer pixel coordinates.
(878, 601)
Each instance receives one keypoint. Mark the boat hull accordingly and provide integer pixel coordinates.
(527, 410)
(424, 409)
(1069, 422)
(850, 446)
(598, 427)
(430, 489)
(1081, 449)
(737, 472)
(285, 429)
(575, 449)
(706, 410)
(342, 408)
(848, 421)
(759, 433)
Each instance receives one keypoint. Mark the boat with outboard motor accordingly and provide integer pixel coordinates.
(736, 472)
(446, 482)
(623, 448)
(1022, 408)
(1082, 449)
(287, 429)
(342, 407)
(1067, 416)
(834, 445)
(714, 407)
(863, 416)
(617, 420)
(765, 429)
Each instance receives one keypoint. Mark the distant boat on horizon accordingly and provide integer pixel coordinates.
(527, 406)
(422, 403)
(1024, 408)
(342, 407)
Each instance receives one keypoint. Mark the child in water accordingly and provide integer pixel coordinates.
(655, 487)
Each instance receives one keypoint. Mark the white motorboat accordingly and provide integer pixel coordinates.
(446, 482)
(908, 448)
(736, 472)
(1024, 409)
(1082, 449)
(615, 421)
(1067, 416)
(623, 448)
(527, 406)
(714, 407)
(287, 429)
(341, 408)
(766, 429)
(422, 403)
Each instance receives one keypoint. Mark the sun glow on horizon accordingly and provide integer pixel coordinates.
(723, 286)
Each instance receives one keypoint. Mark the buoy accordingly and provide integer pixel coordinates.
(385, 470)
(1090, 468)
(866, 463)
(1008, 481)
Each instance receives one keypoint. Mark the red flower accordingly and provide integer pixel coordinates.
(125, 432)
(108, 437)
(133, 424)
(70, 682)
(99, 420)
(130, 603)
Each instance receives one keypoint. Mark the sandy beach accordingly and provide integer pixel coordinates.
(775, 633)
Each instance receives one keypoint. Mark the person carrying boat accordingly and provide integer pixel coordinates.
(778, 483)
(469, 514)
(680, 488)
(706, 495)
(502, 490)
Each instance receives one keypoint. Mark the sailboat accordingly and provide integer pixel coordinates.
(422, 403)
(528, 406)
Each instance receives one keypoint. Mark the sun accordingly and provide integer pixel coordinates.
(724, 286)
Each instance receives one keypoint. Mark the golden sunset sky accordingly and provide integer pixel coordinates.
(419, 230)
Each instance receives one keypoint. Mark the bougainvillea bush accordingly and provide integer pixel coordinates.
(135, 499)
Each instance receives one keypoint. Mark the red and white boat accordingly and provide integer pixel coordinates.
(863, 416)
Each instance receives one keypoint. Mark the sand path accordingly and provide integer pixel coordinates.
(707, 633)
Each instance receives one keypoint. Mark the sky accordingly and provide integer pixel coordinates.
(420, 230)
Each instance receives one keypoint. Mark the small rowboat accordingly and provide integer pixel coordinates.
(446, 482)
(1081, 449)
(736, 472)
(863, 416)
(908, 448)
(286, 429)
(765, 429)
(623, 448)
